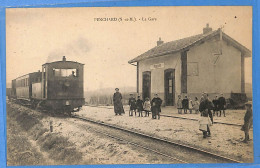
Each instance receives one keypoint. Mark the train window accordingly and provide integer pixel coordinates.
(65, 72)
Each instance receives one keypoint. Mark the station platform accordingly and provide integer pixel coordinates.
(233, 117)
(226, 139)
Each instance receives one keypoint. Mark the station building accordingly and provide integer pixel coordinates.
(211, 62)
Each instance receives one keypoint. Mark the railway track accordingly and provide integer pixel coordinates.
(177, 152)
(170, 116)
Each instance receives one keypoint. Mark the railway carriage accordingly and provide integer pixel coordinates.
(22, 86)
(58, 87)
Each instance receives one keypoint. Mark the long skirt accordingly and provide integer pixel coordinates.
(118, 108)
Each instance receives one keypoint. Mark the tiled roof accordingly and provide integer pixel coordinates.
(177, 45)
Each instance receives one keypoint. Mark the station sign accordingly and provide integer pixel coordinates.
(157, 66)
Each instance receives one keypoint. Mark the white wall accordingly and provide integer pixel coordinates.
(223, 77)
(157, 75)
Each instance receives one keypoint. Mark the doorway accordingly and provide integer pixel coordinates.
(169, 85)
(146, 85)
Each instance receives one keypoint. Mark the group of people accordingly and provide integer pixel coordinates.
(138, 105)
(146, 106)
(205, 106)
(218, 104)
(187, 104)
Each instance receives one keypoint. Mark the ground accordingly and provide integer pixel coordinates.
(225, 140)
(30, 142)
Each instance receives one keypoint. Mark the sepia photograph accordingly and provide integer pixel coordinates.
(129, 85)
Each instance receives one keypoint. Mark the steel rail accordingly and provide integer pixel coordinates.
(134, 144)
(224, 158)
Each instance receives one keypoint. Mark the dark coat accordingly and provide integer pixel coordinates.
(185, 103)
(118, 106)
(132, 103)
(248, 116)
(156, 104)
(206, 105)
(216, 104)
(248, 121)
(222, 103)
(139, 104)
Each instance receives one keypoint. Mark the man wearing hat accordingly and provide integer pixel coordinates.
(156, 106)
(248, 120)
(117, 100)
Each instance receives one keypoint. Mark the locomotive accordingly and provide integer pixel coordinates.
(59, 87)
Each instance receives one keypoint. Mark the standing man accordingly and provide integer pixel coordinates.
(222, 105)
(117, 100)
(156, 106)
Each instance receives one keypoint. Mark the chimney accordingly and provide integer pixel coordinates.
(63, 58)
(159, 42)
(207, 29)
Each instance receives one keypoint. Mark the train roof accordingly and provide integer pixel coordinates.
(63, 62)
(27, 74)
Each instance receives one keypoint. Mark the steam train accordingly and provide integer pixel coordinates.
(59, 87)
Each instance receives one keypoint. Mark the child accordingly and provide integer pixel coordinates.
(139, 105)
(190, 105)
(132, 104)
(205, 124)
(147, 107)
(185, 104)
(248, 121)
(179, 104)
(196, 105)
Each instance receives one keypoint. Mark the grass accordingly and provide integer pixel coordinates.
(19, 149)
(58, 147)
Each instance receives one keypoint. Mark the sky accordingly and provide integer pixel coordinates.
(35, 36)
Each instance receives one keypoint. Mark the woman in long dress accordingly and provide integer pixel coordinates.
(117, 100)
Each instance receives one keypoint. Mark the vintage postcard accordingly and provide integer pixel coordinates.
(129, 85)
